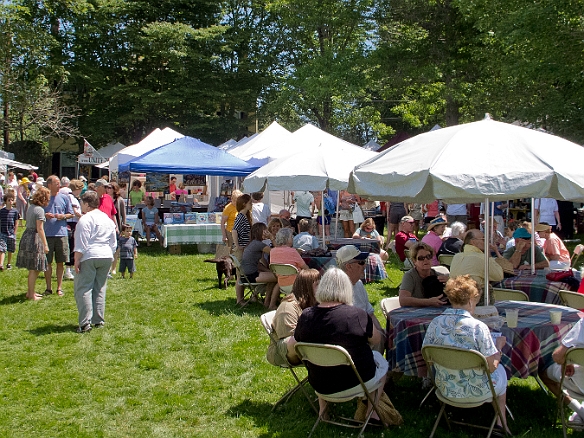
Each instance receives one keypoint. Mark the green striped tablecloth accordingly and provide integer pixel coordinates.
(191, 233)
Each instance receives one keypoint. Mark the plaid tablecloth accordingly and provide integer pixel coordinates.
(529, 346)
(191, 233)
(537, 287)
(374, 269)
(365, 245)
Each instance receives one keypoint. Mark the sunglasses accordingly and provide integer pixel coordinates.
(426, 257)
(360, 262)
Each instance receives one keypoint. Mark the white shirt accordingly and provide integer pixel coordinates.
(303, 201)
(260, 212)
(546, 207)
(361, 299)
(95, 236)
(456, 209)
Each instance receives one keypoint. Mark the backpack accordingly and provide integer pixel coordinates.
(329, 205)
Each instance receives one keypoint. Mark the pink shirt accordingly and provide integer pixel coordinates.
(555, 246)
(435, 241)
(287, 255)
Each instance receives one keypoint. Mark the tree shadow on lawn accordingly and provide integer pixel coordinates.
(53, 328)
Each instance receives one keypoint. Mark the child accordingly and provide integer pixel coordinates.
(8, 225)
(127, 251)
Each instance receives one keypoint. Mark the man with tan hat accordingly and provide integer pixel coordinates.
(553, 248)
(352, 262)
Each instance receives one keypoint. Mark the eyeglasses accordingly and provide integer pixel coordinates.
(426, 257)
(359, 262)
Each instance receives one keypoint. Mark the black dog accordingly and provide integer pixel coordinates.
(224, 266)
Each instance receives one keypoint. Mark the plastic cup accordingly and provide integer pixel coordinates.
(556, 316)
(512, 315)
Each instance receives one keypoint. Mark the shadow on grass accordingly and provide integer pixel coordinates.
(13, 299)
(53, 328)
(228, 306)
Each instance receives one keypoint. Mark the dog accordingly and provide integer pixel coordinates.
(224, 266)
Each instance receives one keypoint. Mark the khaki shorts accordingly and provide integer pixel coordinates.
(60, 247)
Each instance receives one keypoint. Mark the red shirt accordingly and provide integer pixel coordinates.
(106, 204)
(400, 243)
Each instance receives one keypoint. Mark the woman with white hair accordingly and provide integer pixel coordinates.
(336, 321)
(453, 244)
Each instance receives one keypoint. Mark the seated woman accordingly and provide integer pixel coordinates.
(274, 226)
(336, 321)
(304, 240)
(453, 244)
(150, 221)
(411, 292)
(256, 272)
(286, 318)
(284, 253)
(457, 328)
(367, 231)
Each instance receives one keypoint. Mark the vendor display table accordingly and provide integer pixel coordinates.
(528, 349)
(191, 233)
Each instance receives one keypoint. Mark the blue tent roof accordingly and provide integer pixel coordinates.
(189, 155)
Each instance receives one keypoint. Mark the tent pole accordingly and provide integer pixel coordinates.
(322, 220)
(533, 236)
(337, 214)
(487, 251)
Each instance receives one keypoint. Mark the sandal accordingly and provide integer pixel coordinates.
(60, 292)
(48, 292)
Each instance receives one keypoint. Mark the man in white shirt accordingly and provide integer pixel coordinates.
(546, 210)
(260, 212)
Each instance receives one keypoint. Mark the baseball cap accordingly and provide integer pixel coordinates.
(82, 178)
(521, 233)
(350, 252)
(101, 183)
(407, 219)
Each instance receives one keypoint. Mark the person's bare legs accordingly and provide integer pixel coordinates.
(2, 255)
(147, 229)
(157, 231)
(351, 228)
(60, 272)
(272, 295)
(322, 406)
(30, 293)
(8, 258)
(346, 229)
(239, 290)
(502, 399)
(376, 395)
(49, 276)
(393, 230)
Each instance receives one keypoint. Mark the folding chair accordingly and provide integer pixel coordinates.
(267, 319)
(254, 291)
(455, 358)
(389, 304)
(445, 259)
(502, 294)
(574, 300)
(284, 269)
(574, 356)
(576, 255)
(326, 355)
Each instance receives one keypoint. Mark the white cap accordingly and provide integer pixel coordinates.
(350, 252)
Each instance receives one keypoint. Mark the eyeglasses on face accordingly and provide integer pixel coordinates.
(426, 257)
(359, 262)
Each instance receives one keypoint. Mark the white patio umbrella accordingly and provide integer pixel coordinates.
(486, 160)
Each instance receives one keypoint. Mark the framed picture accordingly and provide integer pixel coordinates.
(157, 182)
(194, 180)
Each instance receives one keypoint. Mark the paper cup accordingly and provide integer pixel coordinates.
(512, 315)
(556, 316)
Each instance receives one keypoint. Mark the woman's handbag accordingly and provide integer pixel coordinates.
(358, 214)
(389, 414)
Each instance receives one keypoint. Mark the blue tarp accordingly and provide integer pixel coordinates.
(189, 155)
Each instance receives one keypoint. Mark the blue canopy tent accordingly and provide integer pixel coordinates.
(188, 155)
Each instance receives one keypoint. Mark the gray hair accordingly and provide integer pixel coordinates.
(91, 198)
(457, 229)
(65, 182)
(283, 237)
(335, 286)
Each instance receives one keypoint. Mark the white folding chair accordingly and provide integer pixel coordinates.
(574, 356)
(267, 319)
(445, 259)
(326, 355)
(455, 358)
(389, 304)
(502, 294)
(284, 269)
(253, 287)
(574, 300)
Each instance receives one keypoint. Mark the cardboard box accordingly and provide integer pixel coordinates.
(174, 249)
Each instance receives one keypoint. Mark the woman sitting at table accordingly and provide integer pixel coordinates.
(336, 321)
(274, 226)
(150, 221)
(367, 231)
(457, 328)
(255, 271)
(284, 253)
(286, 317)
(453, 244)
(412, 291)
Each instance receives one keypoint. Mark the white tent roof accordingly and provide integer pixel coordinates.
(371, 145)
(18, 164)
(258, 146)
(320, 160)
(473, 161)
(227, 145)
(111, 149)
(155, 139)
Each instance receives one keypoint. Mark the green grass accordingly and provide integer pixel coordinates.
(178, 359)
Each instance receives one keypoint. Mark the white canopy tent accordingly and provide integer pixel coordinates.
(257, 148)
(17, 164)
(485, 160)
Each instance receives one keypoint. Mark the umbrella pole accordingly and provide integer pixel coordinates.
(322, 219)
(487, 252)
(532, 237)
(337, 214)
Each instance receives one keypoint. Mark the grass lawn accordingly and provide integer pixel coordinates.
(178, 359)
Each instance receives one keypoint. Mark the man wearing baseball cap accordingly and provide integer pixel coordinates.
(405, 238)
(106, 202)
(520, 254)
(353, 261)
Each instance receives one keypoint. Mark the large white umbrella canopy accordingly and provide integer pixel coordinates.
(473, 161)
(311, 160)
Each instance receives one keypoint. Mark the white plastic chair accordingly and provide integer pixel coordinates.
(574, 300)
(389, 304)
(502, 294)
(284, 269)
(574, 356)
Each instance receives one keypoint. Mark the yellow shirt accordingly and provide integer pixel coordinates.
(230, 212)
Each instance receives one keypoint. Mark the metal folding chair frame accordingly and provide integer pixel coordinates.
(574, 356)
(243, 280)
(502, 294)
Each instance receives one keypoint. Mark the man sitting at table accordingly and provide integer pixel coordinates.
(520, 254)
(353, 261)
(471, 260)
(304, 240)
(574, 381)
(554, 249)
(405, 238)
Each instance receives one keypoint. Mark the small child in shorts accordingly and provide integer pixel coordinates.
(127, 251)
(8, 226)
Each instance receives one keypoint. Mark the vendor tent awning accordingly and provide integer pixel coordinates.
(17, 164)
(188, 155)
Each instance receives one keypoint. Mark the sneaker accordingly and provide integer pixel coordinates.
(575, 418)
(85, 329)
(68, 275)
(99, 325)
(109, 276)
(8, 266)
